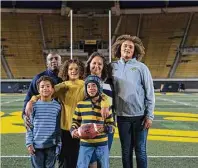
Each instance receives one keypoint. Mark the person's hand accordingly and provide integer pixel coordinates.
(105, 112)
(31, 150)
(27, 122)
(100, 128)
(147, 123)
(29, 109)
(75, 134)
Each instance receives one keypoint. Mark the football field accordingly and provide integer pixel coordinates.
(172, 140)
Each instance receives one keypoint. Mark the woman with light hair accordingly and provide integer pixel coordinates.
(134, 98)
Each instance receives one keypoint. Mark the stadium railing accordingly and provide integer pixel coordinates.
(160, 85)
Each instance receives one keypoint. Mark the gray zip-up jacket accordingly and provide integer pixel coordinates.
(134, 91)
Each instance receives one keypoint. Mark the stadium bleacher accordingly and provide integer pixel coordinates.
(173, 138)
(56, 31)
(161, 34)
(3, 74)
(22, 43)
(188, 66)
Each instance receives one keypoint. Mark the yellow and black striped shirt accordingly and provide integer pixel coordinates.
(87, 112)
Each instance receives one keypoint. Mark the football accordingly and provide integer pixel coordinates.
(88, 131)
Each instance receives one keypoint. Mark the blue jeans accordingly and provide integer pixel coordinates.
(44, 158)
(86, 152)
(110, 141)
(132, 135)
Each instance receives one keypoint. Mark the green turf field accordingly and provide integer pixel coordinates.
(172, 141)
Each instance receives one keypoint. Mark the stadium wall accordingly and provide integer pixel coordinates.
(170, 85)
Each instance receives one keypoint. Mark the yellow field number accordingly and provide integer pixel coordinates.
(13, 123)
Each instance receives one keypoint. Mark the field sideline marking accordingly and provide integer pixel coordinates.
(114, 156)
(177, 102)
(171, 121)
(11, 101)
(160, 156)
(167, 121)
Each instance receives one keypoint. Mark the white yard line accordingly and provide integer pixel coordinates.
(169, 121)
(160, 156)
(15, 156)
(8, 102)
(177, 102)
(166, 121)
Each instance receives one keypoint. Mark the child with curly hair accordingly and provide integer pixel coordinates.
(134, 98)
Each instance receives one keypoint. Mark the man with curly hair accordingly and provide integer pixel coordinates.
(134, 98)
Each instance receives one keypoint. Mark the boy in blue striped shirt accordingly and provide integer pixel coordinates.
(43, 140)
(87, 114)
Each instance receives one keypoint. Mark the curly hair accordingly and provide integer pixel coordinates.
(63, 73)
(105, 66)
(139, 51)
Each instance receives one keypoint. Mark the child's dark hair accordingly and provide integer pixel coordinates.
(44, 78)
(65, 66)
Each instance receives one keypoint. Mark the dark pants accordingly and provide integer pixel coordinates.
(69, 152)
(44, 158)
(132, 135)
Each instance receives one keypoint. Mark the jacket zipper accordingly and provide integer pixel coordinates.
(122, 78)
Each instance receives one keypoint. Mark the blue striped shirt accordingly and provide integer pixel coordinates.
(45, 119)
